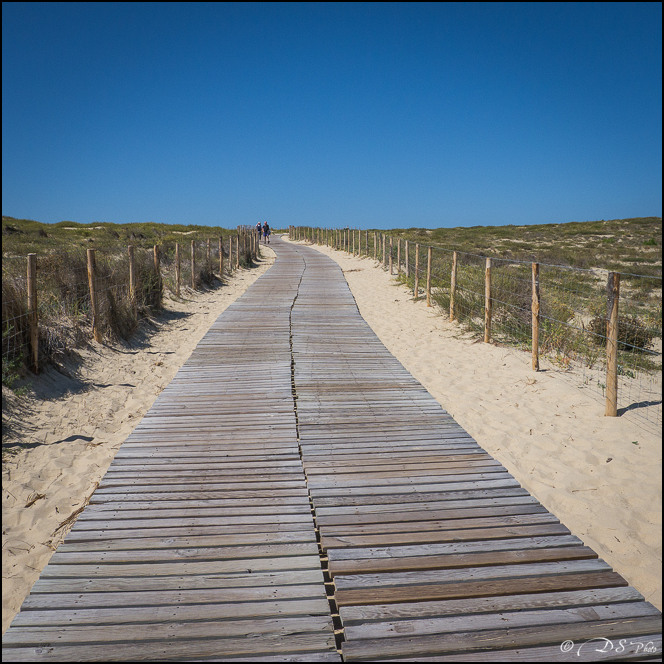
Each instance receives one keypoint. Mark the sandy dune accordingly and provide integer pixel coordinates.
(551, 436)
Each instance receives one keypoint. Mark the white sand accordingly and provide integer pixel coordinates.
(550, 435)
(76, 436)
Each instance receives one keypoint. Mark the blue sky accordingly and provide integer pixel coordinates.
(370, 115)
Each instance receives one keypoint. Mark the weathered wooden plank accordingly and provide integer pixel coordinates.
(415, 487)
(469, 573)
(441, 467)
(504, 619)
(164, 555)
(237, 536)
(382, 565)
(108, 592)
(289, 657)
(147, 486)
(441, 536)
(513, 544)
(217, 544)
(167, 516)
(469, 641)
(163, 509)
(380, 479)
(112, 634)
(499, 496)
(179, 648)
(155, 565)
(245, 523)
(288, 505)
(582, 651)
(410, 525)
(485, 588)
(454, 509)
(219, 494)
(495, 604)
(119, 615)
(409, 512)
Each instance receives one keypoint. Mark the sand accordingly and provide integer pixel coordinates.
(552, 436)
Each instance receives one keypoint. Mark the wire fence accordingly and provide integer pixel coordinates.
(67, 296)
(564, 314)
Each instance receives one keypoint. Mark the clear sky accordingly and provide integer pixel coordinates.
(369, 115)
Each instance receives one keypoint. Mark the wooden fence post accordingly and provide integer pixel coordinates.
(132, 281)
(375, 245)
(237, 252)
(157, 273)
(407, 260)
(487, 301)
(178, 269)
(33, 320)
(535, 316)
(398, 255)
(391, 255)
(429, 250)
(384, 254)
(221, 258)
(416, 287)
(193, 265)
(93, 294)
(208, 255)
(453, 287)
(613, 295)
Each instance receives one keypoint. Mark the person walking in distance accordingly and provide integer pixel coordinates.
(258, 230)
(266, 233)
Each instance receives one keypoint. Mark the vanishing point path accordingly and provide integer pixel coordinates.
(295, 494)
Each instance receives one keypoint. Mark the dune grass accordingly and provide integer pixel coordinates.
(64, 308)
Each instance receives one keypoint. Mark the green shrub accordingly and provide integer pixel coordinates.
(633, 333)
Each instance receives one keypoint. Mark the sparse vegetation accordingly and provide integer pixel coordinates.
(62, 280)
(574, 261)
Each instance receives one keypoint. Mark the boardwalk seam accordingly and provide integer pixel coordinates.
(327, 579)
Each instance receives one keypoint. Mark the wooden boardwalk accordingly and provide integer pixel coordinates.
(201, 542)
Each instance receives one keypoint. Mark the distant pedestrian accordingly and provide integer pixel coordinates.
(266, 233)
(258, 230)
